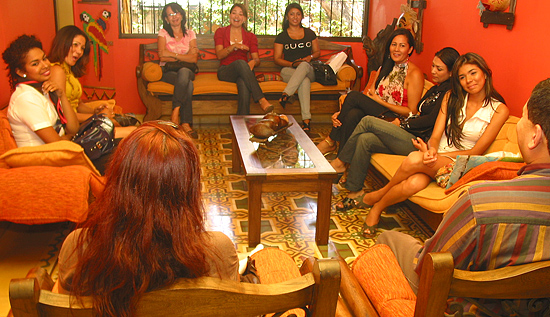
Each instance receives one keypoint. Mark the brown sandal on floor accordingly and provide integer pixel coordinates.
(331, 144)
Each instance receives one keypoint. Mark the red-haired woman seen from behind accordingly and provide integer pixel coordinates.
(148, 227)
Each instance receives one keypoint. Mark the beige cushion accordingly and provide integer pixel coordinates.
(208, 83)
(433, 197)
(61, 153)
(151, 72)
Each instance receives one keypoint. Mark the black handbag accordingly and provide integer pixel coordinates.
(175, 66)
(324, 74)
(96, 136)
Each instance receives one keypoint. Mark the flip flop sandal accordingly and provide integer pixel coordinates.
(351, 203)
(371, 231)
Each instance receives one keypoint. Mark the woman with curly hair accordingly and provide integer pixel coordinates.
(147, 228)
(38, 111)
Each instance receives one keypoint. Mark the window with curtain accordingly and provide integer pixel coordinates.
(328, 18)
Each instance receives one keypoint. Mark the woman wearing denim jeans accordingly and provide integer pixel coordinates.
(234, 44)
(375, 135)
(176, 43)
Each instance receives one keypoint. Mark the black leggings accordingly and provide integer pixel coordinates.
(356, 106)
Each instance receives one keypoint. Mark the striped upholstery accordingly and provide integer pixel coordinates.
(383, 281)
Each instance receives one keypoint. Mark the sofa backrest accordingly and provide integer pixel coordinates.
(209, 63)
(7, 142)
(507, 138)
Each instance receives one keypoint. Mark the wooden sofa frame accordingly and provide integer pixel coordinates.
(440, 280)
(205, 296)
(216, 104)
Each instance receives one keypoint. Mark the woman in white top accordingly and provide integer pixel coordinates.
(470, 118)
(34, 118)
(176, 43)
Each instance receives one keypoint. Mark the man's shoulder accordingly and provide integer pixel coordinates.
(523, 199)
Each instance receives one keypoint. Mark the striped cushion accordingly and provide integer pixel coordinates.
(383, 281)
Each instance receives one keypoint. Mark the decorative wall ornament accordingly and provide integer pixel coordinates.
(95, 29)
(411, 18)
(492, 12)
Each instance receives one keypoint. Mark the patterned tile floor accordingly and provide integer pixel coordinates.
(288, 218)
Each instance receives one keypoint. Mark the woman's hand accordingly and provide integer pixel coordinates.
(430, 153)
(372, 95)
(106, 110)
(335, 122)
(50, 86)
(241, 47)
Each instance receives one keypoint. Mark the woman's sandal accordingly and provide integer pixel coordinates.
(332, 145)
(306, 126)
(369, 232)
(284, 99)
(351, 203)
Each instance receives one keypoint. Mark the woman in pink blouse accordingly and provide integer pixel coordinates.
(176, 43)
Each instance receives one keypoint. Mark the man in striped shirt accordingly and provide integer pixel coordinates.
(499, 223)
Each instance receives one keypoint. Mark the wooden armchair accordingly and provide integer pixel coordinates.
(206, 296)
(439, 281)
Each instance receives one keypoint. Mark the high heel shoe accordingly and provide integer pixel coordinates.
(285, 99)
(306, 126)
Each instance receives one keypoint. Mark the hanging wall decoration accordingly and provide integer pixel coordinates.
(95, 29)
(494, 12)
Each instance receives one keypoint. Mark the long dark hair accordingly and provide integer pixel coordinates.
(294, 5)
(14, 56)
(448, 56)
(147, 228)
(61, 45)
(387, 62)
(176, 8)
(453, 129)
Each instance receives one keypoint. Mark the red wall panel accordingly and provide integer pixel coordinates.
(19, 17)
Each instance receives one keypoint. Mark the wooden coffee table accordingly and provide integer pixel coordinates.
(290, 162)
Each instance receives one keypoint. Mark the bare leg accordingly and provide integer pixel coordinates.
(396, 194)
(175, 117)
(411, 177)
(266, 106)
(338, 165)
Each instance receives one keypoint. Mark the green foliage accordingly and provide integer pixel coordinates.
(328, 18)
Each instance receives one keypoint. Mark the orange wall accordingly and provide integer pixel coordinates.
(518, 58)
(119, 65)
(17, 18)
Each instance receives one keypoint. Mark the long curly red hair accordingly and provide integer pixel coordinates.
(147, 229)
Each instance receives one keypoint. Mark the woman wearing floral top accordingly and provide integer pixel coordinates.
(396, 92)
(176, 43)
